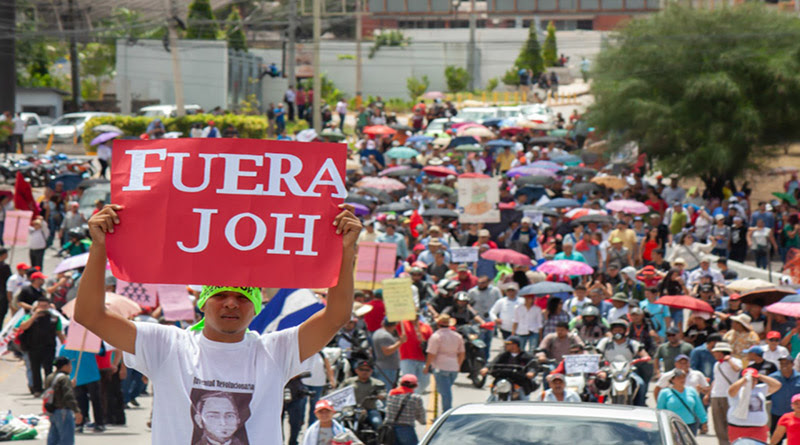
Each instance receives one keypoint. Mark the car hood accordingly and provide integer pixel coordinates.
(58, 129)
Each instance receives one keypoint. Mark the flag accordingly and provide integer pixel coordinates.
(288, 308)
(23, 195)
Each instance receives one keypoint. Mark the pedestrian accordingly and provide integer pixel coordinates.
(788, 425)
(446, 353)
(387, 355)
(774, 350)
(38, 331)
(37, 241)
(741, 335)
(280, 118)
(702, 359)
(86, 378)
(527, 323)
(747, 406)
(683, 400)
(325, 427)
(558, 391)
(670, 350)
(65, 411)
(790, 387)
(502, 312)
(289, 97)
(17, 137)
(5, 296)
(211, 131)
(301, 101)
(726, 371)
(341, 110)
(403, 406)
(32, 292)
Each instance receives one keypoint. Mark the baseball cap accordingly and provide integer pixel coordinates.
(363, 363)
(795, 398)
(483, 232)
(36, 275)
(463, 267)
(636, 310)
(773, 334)
(526, 220)
(23, 266)
(557, 376)
(735, 296)
(514, 339)
(681, 357)
(784, 355)
(391, 217)
(750, 371)
(323, 404)
(672, 331)
(757, 350)
(707, 287)
(679, 260)
(719, 216)
(409, 379)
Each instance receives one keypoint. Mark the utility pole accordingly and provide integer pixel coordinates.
(358, 54)
(8, 65)
(317, 6)
(291, 56)
(177, 77)
(471, 62)
(73, 56)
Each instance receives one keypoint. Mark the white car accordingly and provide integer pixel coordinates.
(68, 126)
(33, 123)
(167, 110)
(438, 126)
(538, 113)
(477, 114)
(557, 424)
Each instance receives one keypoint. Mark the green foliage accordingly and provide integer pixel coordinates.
(530, 56)
(388, 38)
(456, 77)
(705, 93)
(6, 129)
(511, 77)
(550, 50)
(293, 127)
(254, 127)
(201, 24)
(330, 94)
(417, 87)
(249, 105)
(492, 84)
(234, 31)
(345, 57)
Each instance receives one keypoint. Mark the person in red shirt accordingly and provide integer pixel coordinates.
(374, 318)
(466, 280)
(483, 238)
(789, 424)
(655, 202)
(412, 352)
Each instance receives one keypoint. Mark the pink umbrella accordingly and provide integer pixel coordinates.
(458, 125)
(433, 95)
(582, 211)
(787, 309)
(506, 256)
(628, 206)
(117, 304)
(73, 262)
(381, 183)
(437, 170)
(565, 267)
(529, 171)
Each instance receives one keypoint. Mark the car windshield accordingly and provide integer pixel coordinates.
(482, 429)
(69, 120)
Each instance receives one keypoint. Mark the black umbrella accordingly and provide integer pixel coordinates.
(403, 172)
(401, 127)
(395, 207)
(584, 187)
(560, 203)
(358, 199)
(380, 194)
(462, 140)
(86, 183)
(598, 219)
(767, 296)
(534, 180)
(444, 213)
(544, 140)
(580, 171)
(589, 157)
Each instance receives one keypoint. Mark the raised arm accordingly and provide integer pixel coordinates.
(90, 307)
(318, 330)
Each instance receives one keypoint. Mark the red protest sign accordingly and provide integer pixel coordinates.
(227, 212)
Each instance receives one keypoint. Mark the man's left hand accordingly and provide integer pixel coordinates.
(347, 225)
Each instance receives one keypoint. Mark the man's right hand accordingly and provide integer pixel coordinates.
(103, 222)
(484, 371)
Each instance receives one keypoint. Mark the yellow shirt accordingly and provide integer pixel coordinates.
(505, 158)
(628, 237)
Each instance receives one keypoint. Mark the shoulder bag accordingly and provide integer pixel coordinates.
(386, 431)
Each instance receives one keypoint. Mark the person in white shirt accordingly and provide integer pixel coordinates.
(502, 312)
(726, 371)
(17, 137)
(620, 307)
(694, 378)
(218, 354)
(558, 391)
(527, 323)
(341, 110)
(16, 282)
(774, 349)
(37, 242)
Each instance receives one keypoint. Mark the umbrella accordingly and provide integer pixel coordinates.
(441, 141)
(786, 197)
(582, 211)
(597, 219)
(444, 213)
(358, 199)
(787, 309)
(398, 172)
(122, 306)
(471, 148)
(612, 182)
(534, 180)
(543, 211)
(419, 138)
(560, 203)
(546, 165)
(307, 135)
(529, 171)
(73, 262)
(493, 122)
(533, 192)
(105, 137)
(332, 135)
(352, 165)
(583, 187)
(768, 295)
(399, 207)
(567, 159)
(685, 302)
(794, 298)
(381, 183)
(512, 131)
(401, 127)
(437, 170)
(433, 95)
(565, 267)
(500, 143)
(544, 287)
(524, 123)
(360, 209)
(86, 183)
(379, 130)
(380, 194)
(627, 206)
(544, 140)
(473, 175)
(401, 153)
(464, 125)
(507, 256)
(747, 284)
(479, 131)
(580, 171)
(441, 189)
(106, 128)
(462, 140)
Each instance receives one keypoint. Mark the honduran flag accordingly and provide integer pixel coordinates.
(288, 308)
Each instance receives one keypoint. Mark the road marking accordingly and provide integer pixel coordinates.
(434, 403)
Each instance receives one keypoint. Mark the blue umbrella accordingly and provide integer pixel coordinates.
(567, 159)
(419, 138)
(544, 288)
(500, 143)
(560, 203)
(401, 153)
(791, 299)
(104, 137)
(462, 140)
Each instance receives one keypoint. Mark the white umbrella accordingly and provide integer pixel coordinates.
(73, 262)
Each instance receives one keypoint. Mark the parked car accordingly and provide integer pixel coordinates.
(167, 110)
(66, 127)
(538, 113)
(440, 125)
(92, 194)
(477, 114)
(557, 424)
(33, 123)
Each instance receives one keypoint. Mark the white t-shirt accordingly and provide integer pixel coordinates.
(316, 366)
(772, 356)
(721, 383)
(694, 379)
(756, 410)
(612, 350)
(238, 387)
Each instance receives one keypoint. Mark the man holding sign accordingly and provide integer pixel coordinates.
(218, 355)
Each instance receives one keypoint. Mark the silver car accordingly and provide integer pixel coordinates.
(535, 423)
(68, 127)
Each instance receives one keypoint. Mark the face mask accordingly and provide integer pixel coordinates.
(619, 336)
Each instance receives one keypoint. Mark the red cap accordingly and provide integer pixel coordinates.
(773, 334)
(409, 378)
(23, 266)
(210, 122)
(648, 270)
(323, 404)
(752, 371)
(735, 296)
(36, 275)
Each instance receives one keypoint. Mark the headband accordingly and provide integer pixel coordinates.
(252, 293)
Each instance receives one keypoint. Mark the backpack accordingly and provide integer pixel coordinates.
(49, 396)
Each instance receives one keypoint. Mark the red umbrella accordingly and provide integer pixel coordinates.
(787, 309)
(436, 170)
(379, 130)
(685, 302)
(507, 256)
(512, 130)
(473, 175)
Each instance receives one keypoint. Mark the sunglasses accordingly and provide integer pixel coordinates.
(671, 335)
(773, 339)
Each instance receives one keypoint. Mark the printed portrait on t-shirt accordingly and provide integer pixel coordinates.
(756, 405)
(219, 417)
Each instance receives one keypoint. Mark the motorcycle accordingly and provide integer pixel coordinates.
(474, 360)
(510, 383)
(623, 389)
(354, 418)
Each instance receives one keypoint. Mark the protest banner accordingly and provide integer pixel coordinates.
(227, 212)
(464, 254)
(145, 295)
(9, 332)
(477, 200)
(399, 299)
(15, 230)
(81, 339)
(575, 364)
(175, 302)
(535, 216)
(342, 398)
(374, 264)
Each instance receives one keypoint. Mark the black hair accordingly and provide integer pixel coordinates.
(562, 324)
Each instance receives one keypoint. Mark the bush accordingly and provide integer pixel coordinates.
(550, 50)
(457, 78)
(511, 77)
(492, 84)
(417, 87)
(6, 129)
(253, 127)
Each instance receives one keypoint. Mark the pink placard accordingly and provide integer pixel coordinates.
(375, 263)
(145, 295)
(175, 302)
(81, 339)
(15, 231)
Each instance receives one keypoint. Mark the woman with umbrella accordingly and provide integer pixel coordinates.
(103, 144)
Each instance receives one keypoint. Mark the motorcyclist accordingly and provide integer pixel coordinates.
(589, 325)
(77, 243)
(444, 297)
(514, 355)
(462, 311)
(351, 339)
(368, 391)
(424, 288)
(619, 347)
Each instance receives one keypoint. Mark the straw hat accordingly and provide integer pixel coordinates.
(445, 320)
(742, 319)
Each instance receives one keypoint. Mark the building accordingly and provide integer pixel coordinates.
(46, 102)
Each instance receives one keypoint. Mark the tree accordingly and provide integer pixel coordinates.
(703, 93)
(457, 78)
(417, 87)
(550, 51)
(234, 31)
(530, 56)
(202, 24)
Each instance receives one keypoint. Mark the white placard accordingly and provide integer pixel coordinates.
(536, 217)
(477, 200)
(464, 254)
(341, 398)
(576, 364)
